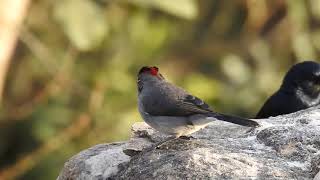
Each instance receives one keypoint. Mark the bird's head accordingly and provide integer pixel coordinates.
(149, 70)
(149, 74)
(305, 77)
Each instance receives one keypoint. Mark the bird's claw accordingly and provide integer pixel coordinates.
(187, 137)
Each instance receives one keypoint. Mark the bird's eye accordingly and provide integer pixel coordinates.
(315, 78)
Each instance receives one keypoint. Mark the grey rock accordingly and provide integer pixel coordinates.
(317, 177)
(284, 147)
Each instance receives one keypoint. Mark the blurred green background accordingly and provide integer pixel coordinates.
(72, 80)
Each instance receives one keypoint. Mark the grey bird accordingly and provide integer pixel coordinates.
(172, 110)
(300, 89)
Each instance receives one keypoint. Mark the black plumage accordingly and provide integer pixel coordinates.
(300, 89)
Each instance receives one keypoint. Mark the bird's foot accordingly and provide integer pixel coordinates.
(187, 137)
(160, 144)
(251, 131)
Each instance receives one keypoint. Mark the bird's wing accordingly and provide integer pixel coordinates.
(174, 101)
(193, 105)
(182, 106)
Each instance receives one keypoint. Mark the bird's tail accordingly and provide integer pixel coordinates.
(235, 120)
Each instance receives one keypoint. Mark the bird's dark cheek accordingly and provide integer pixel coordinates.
(140, 86)
(311, 88)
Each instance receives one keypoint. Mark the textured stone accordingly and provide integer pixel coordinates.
(284, 147)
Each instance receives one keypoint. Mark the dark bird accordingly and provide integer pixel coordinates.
(172, 110)
(300, 89)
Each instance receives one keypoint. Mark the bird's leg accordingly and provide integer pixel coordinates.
(161, 143)
(187, 137)
(251, 130)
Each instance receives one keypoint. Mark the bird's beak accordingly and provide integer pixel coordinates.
(316, 87)
(160, 76)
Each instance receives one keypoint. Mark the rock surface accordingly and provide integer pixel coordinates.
(284, 147)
